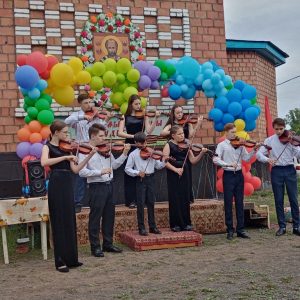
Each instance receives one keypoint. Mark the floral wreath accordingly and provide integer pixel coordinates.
(110, 23)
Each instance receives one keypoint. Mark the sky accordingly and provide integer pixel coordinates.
(276, 21)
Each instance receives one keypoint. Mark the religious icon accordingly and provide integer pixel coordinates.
(107, 45)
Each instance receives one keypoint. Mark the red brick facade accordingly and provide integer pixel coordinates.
(207, 41)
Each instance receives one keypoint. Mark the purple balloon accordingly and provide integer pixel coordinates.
(23, 149)
(142, 66)
(144, 82)
(154, 85)
(36, 150)
(154, 73)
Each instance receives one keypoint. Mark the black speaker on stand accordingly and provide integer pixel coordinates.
(36, 179)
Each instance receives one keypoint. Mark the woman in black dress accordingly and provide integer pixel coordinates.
(128, 127)
(179, 180)
(61, 197)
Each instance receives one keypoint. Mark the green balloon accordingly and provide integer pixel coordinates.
(98, 68)
(163, 76)
(109, 78)
(89, 69)
(117, 98)
(253, 100)
(47, 97)
(123, 86)
(123, 108)
(161, 64)
(170, 70)
(110, 64)
(27, 119)
(120, 78)
(96, 83)
(42, 104)
(130, 91)
(123, 65)
(135, 85)
(133, 75)
(45, 117)
(229, 87)
(28, 101)
(32, 112)
(25, 106)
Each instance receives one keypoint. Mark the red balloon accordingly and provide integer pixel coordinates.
(256, 182)
(21, 59)
(220, 173)
(247, 166)
(219, 185)
(45, 75)
(38, 60)
(52, 60)
(253, 159)
(165, 92)
(221, 139)
(248, 189)
(247, 177)
(26, 159)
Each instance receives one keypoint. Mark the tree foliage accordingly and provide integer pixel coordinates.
(293, 119)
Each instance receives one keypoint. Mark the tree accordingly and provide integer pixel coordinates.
(293, 119)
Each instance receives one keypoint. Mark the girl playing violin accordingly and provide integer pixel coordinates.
(177, 117)
(60, 197)
(99, 174)
(179, 180)
(133, 124)
(283, 173)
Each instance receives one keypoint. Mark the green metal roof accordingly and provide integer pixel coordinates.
(267, 49)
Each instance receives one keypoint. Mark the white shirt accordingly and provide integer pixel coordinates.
(228, 155)
(287, 156)
(136, 164)
(81, 126)
(92, 170)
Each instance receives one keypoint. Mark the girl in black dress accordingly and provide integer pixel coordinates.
(179, 180)
(61, 197)
(128, 127)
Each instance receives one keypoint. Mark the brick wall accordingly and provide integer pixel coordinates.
(255, 70)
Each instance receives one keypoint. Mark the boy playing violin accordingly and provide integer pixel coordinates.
(230, 159)
(99, 174)
(144, 168)
(283, 173)
(81, 122)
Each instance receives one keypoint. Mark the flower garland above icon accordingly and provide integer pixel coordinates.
(110, 23)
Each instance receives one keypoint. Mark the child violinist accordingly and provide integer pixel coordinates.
(99, 174)
(136, 166)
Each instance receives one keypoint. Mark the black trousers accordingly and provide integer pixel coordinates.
(233, 183)
(145, 195)
(102, 209)
(129, 189)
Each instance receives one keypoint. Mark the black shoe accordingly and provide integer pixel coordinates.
(188, 228)
(78, 264)
(113, 249)
(143, 232)
(62, 269)
(280, 232)
(176, 229)
(229, 236)
(132, 205)
(296, 231)
(97, 252)
(77, 209)
(155, 230)
(242, 235)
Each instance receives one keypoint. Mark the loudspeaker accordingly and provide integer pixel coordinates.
(36, 178)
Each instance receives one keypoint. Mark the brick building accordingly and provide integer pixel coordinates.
(171, 29)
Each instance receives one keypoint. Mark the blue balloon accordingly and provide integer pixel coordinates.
(188, 67)
(42, 84)
(208, 73)
(234, 95)
(189, 81)
(227, 118)
(199, 80)
(258, 108)
(250, 125)
(222, 92)
(184, 88)
(245, 104)
(249, 92)
(219, 86)
(190, 93)
(215, 65)
(174, 91)
(219, 126)
(221, 103)
(24, 91)
(251, 113)
(215, 114)
(207, 85)
(27, 77)
(227, 80)
(34, 93)
(234, 108)
(239, 84)
(180, 79)
(209, 93)
(220, 72)
(216, 79)
(241, 116)
(207, 66)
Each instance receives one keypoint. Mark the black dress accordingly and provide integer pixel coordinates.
(62, 210)
(132, 125)
(179, 189)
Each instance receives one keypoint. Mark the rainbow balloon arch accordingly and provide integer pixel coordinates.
(42, 78)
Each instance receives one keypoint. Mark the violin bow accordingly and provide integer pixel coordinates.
(110, 147)
(276, 160)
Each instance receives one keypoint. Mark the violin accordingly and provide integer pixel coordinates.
(74, 147)
(94, 113)
(196, 148)
(289, 137)
(104, 149)
(150, 113)
(237, 142)
(148, 152)
(190, 119)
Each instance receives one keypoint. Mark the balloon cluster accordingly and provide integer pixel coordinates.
(237, 105)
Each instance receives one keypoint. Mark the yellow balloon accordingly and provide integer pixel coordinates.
(83, 77)
(76, 64)
(143, 102)
(64, 95)
(62, 75)
(243, 135)
(239, 124)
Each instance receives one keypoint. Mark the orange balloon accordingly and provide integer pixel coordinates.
(23, 134)
(35, 138)
(35, 126)
(45, 132)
